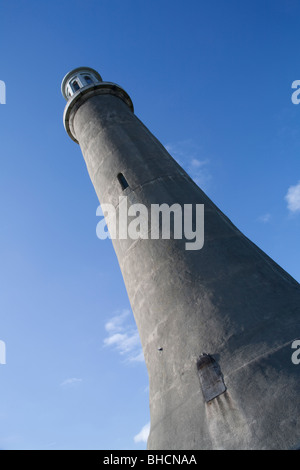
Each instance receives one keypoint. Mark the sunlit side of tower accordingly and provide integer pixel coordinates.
(216, 324)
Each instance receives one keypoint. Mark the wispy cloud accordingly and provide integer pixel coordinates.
(187, 154)
(71, 381)
(293, 198)
(265, 218)
(142, 436)
(123, 336)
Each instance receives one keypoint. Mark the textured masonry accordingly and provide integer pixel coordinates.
(228, 299)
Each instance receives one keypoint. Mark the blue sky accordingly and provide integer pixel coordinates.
(212, 81)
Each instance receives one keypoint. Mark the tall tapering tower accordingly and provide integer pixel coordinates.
(217, 322)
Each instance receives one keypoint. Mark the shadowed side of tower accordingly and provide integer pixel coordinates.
(217, 323)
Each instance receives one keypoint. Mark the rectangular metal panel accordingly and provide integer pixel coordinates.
(211, 378)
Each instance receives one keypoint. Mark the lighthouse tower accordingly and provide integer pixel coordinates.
(217, 323)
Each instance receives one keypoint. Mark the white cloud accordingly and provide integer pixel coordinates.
(123, 336)
(293, 198)
(265, 218)
(138, 357)
(70, 381)
(198, 163)
(115, 323)
(125, 342)
(186, 153)
(142, 436)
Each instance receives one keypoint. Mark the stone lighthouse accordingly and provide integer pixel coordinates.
(217, 323)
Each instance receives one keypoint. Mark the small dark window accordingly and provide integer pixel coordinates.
(75, 85)
(122, 181)
(88, 79)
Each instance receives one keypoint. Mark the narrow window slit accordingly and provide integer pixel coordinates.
(122, 181)
(75, 85)
(88, 79)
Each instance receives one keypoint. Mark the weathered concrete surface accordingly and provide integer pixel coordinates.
(229, 300)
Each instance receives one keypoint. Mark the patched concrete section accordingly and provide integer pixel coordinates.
(210, 376)
(229, 298)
